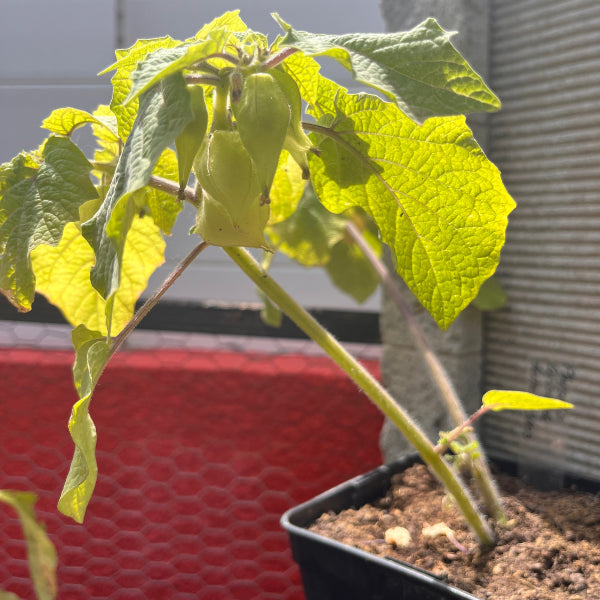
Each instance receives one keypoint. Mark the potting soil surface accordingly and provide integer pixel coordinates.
(549, 549)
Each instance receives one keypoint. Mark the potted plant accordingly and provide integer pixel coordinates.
(227, 104)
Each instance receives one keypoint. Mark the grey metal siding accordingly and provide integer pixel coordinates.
(545, 66)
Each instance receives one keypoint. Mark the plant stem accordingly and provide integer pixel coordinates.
(378, 395)
(159, 183)
(156, 296)
(438, 373)
(221, 119)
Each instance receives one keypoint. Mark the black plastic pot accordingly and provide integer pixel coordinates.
(333, 571)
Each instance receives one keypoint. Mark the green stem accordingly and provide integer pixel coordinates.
(378, 395)
(221, 119)
(438, 373)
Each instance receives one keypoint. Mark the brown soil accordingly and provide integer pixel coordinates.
(550, 549)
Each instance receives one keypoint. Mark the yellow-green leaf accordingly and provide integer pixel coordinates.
(41, 553)
(509, 400)
(286, 190)
(64, 121)
(63, 275)
(438, 202)
(92, 352)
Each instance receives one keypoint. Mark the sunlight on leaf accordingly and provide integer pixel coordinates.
(438, 202)
(63, 275)
(164, 112)
(287, 188)
(35, 211)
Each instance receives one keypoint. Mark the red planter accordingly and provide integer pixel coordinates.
(199, 455)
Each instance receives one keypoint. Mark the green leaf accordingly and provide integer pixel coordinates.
(491, 296)
(164, 111)
(127, 61)
(305, 72)
(92, 353)
(509, 400)
(166, 61)
(230, 21)
(163, 207)
(438, 202)
(420, 69)
(63, 275)
(308, 235)
(41, 553)
(35, 211)
(8, 596)
(287, 188)
(351, 272)
(64, 121)
(313, 236)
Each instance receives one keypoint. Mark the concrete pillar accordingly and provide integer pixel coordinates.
(403, 371)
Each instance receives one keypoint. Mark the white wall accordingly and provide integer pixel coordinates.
(51, 52)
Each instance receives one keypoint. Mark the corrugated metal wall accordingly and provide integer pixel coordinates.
(545, 66)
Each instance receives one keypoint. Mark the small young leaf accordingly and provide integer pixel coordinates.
(438, 202)
(509, 400)
(420, 69)
(92, 352)
(41, 553)
(164, 112)
(127, 61)
(230, 21)
(64, 121)
(35, 211)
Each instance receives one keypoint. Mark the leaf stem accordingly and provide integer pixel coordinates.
(372, 388)
(457, 432)
(156, 296)
(278, 58)
(438, 373)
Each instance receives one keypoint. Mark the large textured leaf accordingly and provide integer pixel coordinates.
(41, 553)
(438, 202)
(164, 112)
(420, 69)
(35, 210)
(63, 275)
(92, 352)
